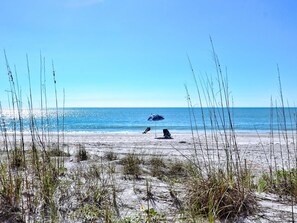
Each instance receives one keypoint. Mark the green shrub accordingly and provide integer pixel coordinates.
(17, 159)
(81, 154)
(281, 182)
(131, 165)
(110, 156)
(157, 166)
(177, 169)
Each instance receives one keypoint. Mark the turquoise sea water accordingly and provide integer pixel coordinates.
(176, 119)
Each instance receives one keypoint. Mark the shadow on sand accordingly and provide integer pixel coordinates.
(163, 138)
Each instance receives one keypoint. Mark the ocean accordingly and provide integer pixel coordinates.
(175, 119)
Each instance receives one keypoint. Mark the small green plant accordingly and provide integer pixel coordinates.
(177, 169)
(81, 154)
(88, 212)
(94, 194)
(158, 166)
(131, 165)
(10, 195)
(55, 152)
(17, 159)
(110, 156)
(49, 184)
(217, 196)
(144, 215)
(281, 182)
(264, 183)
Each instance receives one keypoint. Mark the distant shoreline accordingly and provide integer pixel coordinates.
(123, 120)
(140, 132)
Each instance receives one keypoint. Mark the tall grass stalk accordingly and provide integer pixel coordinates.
(26, 181)
(202, 113)
(57, 115)
(63, 120)
(282, 178)
(45, 104)
(41, 102)
(57, 107)
(32, 125)
(286, 139)
(192, 114)
(224, 190)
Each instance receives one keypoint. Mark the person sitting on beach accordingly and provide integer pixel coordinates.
(166, 134)
(146, 130)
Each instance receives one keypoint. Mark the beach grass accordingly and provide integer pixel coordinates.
(81, 154)
(131, 165)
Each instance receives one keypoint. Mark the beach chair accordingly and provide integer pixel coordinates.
(146, 130)
(166, 134)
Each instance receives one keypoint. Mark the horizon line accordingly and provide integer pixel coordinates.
(168, 107)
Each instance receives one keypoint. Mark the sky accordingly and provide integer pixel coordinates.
(134, 53)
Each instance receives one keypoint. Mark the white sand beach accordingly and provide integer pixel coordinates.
(254, 150)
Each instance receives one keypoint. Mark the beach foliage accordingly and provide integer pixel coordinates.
(177, 169)
(131, 165)
(157, 166)
(218, 197)
(81, 154)
(17, 159)
(54, 152)
(144, 215)
(282, 182)
(221, 186)
(111, 155)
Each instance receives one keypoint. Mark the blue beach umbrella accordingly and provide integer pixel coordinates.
(155, 117)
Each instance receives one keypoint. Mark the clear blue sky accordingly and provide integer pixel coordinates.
(124, 53)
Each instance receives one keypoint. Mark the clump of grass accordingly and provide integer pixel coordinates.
(110, 156)
(49, 183)
(88, 212)
(93, 171)
(17, 159)
(157, 166)
(177, 169)
(10, 214)
(28, 177)
(10, 195)
(216, 191)
(95, 193)
(219, 197)
(131, 165)
(282, 182)
(81, 154)
(56, 152)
